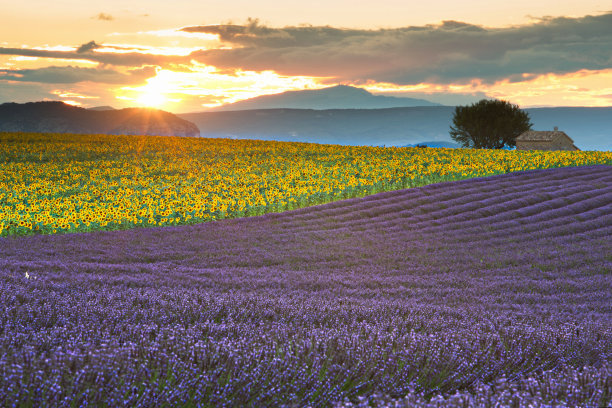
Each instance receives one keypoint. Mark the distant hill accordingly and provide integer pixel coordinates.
(335, 97)
(372, 127)
(102, 108)
(58, 117)
(590, 128)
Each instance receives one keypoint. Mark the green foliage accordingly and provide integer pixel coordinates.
(489, 124)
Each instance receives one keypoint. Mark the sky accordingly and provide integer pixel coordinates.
(188, 56)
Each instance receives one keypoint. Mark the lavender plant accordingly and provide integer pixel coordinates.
(485, 292)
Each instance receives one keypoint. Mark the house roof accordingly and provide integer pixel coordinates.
(542, 136)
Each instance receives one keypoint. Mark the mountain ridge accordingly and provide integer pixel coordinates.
(590, 128)
(334, 97)
(59, 117)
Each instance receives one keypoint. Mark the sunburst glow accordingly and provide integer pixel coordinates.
(205, 87)
(152, 98)
(155, 93)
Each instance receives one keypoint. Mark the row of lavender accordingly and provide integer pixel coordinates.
(485, 292)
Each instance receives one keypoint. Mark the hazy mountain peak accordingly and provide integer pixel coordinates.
(334, 97)
(342, 90)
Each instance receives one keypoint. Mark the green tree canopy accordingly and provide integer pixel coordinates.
(489, 124)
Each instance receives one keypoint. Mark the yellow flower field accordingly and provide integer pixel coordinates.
(51, 183)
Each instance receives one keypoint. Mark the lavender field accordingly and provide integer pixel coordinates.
(485, 292)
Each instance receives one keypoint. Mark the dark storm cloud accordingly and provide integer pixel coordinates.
(449, 52)
(70, 75)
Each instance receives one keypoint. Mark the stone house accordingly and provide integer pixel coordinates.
(545, 140)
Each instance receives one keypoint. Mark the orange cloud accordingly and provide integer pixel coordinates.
(552, 61)
(448, 53)
(581, 88)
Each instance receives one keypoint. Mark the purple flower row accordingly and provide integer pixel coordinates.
(485, 292)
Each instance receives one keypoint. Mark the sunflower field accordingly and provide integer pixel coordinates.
(57, 183)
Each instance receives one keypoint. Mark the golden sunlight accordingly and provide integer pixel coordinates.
(205, 87)
(151, 98)
(154, 93)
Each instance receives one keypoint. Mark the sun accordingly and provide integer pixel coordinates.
(152, 98)
(155, 93)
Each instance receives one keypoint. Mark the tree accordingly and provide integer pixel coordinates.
(489, 124)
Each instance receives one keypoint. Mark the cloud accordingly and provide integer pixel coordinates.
(87, 47)
(255, 35)
(452, 52)
(104, 17)
(89, 94)
(71, 75)
(24, 92)
(128, 59)
(449, 52)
